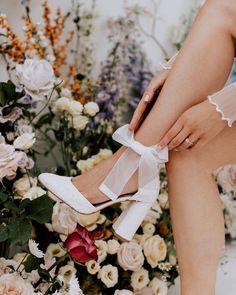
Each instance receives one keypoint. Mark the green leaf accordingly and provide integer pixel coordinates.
(40, 209)
(4, 232)
(44, 119)
(11, 206)
(31, 263)
(19, 230)
(24, 203)
(3, 197)
(7, 92)
(44, 274)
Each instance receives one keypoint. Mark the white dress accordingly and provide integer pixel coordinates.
(224, 100)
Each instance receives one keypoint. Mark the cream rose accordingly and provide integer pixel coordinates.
(80, 122)
(23, 184)
(155, 250)
(130, 256)
(85, 165)
(101, 250)
(89, 221)
(73, 107)
(92, 267)
(24, 141)
(148, 229)
(139, 279)
(91, 108)
(109, 275)
(112, 246)
(158, 287)
(37, 76)
(12, 284)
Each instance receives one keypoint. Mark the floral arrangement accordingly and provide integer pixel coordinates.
(51, 106)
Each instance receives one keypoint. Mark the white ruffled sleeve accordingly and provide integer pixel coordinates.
(225, 102)
(168, 65)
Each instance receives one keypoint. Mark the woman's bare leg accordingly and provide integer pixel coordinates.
(201, 68)
(196, 211)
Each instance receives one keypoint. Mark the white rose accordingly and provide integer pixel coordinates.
(34, 192)
(92, 267)
(155, 250)
(148, 229)
(75, 108)
(14, 284)
(91, 108)
(109, 275)
(67, 271)
(154, 213)
(226, 178)
(61, 104)
(37, 76)
(158, 287)
(10, 160)
(163, 200)
(139, 279)
(172, 259)
(112, 246)
(140, 239)
(130, 256)
(64, 219)
(55, 250)
(23, 184)
(102, 250)
(123, 292)
(24, 141)
(80, 122)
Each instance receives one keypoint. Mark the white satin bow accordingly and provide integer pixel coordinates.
(148, 164)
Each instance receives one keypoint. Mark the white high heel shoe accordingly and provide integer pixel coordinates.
(146, 159)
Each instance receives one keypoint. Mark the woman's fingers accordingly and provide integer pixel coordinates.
(147, 97)
(178, 139)
(171, 134)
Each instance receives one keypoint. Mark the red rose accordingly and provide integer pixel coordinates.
(81, 246)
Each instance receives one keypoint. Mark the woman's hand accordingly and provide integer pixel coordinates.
(200, 123)
(154, 86)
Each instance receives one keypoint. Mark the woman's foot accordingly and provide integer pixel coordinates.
(89, 182)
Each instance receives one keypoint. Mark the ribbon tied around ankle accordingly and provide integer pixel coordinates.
(148, 164)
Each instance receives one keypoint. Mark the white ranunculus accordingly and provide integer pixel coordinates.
(23, 184)
(80, 122)
(24, 141)
(101, 250)
(130, 256)
(55, 250)
(34, 193)
(149, 229)
(158, 287)
(123, 292)
(109, 275)
(37, 76)
(139, 279)
(112, 246)
(73, 107)
(91, 108)
(10, 160)
(93, 267)
(163, 200)
(104, 154)
(89, 220)
(67, 271)
(13, 284)
(85, 165)
(155, 250)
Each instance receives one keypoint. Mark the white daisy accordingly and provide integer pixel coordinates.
(74, 288)
(34, 250)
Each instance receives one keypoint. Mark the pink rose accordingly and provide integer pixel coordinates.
(81, 246)
(12, 116)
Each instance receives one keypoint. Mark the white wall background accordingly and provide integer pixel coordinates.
(169, 15)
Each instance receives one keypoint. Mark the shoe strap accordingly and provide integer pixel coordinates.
(137, 156)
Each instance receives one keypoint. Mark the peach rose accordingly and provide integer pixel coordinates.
(12, 284)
